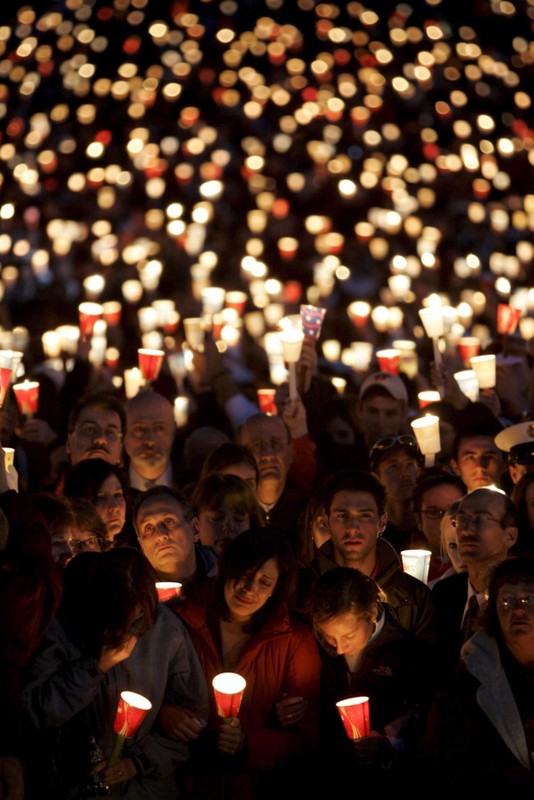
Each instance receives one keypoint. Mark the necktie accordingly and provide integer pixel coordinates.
(470, 621)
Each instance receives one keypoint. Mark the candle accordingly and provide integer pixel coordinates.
(89, 313)
(150, 362)
(354, 713)
(426, 431)
(228, 688)
(27, 396)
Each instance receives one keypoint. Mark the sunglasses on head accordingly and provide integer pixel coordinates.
(381, 446)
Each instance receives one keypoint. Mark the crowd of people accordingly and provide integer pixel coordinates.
(290, 153)
(287, 548)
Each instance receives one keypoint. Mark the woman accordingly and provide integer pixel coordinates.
(104, 485)
(313, 530)
(480, 732)
(249, 630)
(449, 545)
(365, 652)
(233, 459)
(110, 634)
(223, 506)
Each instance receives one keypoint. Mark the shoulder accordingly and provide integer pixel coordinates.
(452, 586)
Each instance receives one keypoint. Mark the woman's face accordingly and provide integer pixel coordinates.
(245, 471)
(248, 594)
(348, 633)
(516, 616)
(450, 543)
(111, 505)
(217, 527)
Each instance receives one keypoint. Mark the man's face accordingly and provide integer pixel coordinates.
(397, 473)
(355, 525)
(434, 503)
(268, 440)
(166, 537)
(149, 435)
(479, 462)
(97, 434)
(482, 536)
(379, 415)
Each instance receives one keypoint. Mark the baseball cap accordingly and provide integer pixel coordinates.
(391, 384)
(518, 442)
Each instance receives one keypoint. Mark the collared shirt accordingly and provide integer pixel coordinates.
(142, 484)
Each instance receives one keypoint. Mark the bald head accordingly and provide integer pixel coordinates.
(150, 431)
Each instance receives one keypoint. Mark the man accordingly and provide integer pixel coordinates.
(354, 503)
(96, 427)
(477, 459)
(396, 461)
(435, 492)
(382, 407)
(163, 522)
(486, 527)
(150, 431)
(282, 501)
(518, 442)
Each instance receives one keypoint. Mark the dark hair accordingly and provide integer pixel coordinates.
(314, 508)
(100, 400)
(244, 556)
(166, 491)
(87, 518)
(432, 478)
(513, 571)
(56, 510)
(344, 591)
(354, 480)
(227, 455)
(103, 593)
(211, 492)
(86, 478)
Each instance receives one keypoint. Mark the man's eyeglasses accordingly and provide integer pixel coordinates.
(474, 521)
(510, 603)
(78, 545)
(90, 430)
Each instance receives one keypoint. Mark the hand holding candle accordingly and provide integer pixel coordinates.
(131, 711)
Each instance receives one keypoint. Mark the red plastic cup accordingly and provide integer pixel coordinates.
(236, 300)
(468, 346)
(389, 360)
(354, 714)
(5, 377)
(228, 688)
(112, 310)
(27, 395)
(131, 711)
(507, 318)
(150, 362)
(167, 590)
(89, 313)
(266, 401)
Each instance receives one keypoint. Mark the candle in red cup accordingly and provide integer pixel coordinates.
(131, 711)
(236, 300)
(5, 378)
(427, 397)
(89, 313)
(507, 318)
(312, 320)
(468, 346)
(167, 590)
(359, 312)
(112, 312)
(389, 360)
(354, 714)
(150, 362)
(27, 395)
(266, 401)
(228, 688)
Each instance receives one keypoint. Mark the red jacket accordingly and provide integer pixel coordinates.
(281, 657)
